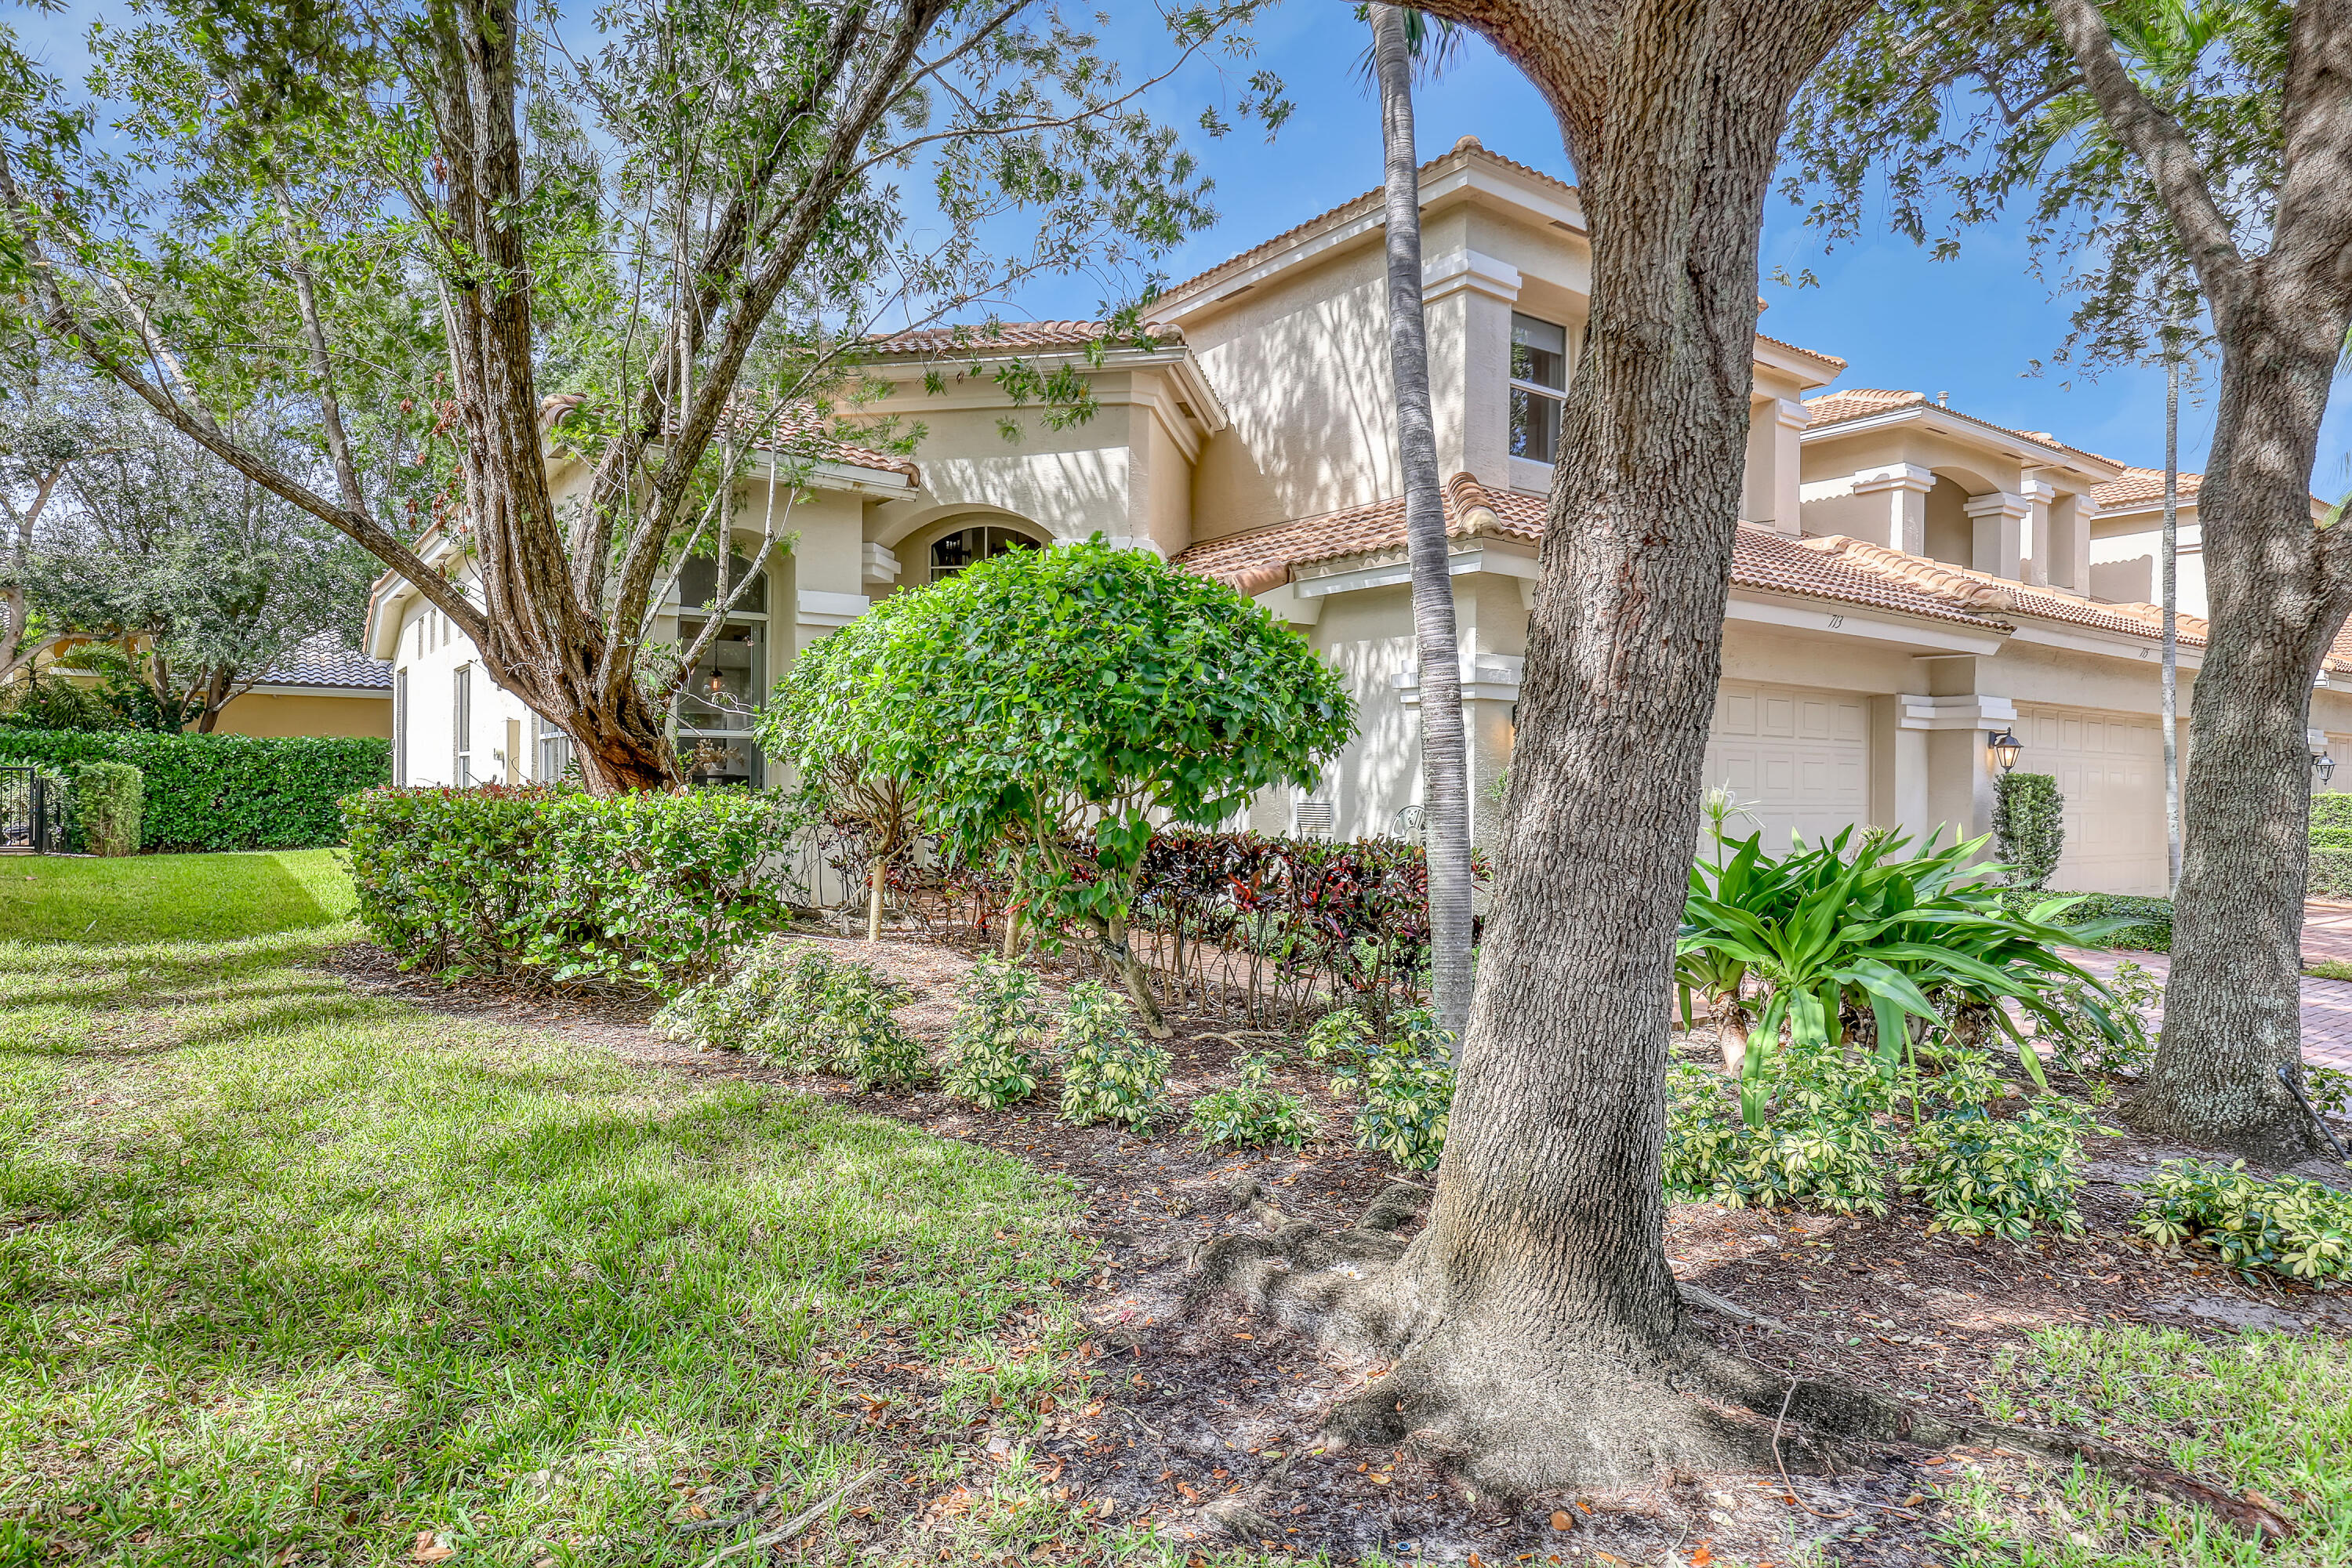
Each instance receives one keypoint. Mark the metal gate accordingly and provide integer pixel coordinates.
(32, 812)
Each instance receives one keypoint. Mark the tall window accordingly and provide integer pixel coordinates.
(954, 551)
(723, 692)
(461, 720)
(400, 727)
(552, 751)
(1538, 381)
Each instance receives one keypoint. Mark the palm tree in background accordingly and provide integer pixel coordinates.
(1400, 39)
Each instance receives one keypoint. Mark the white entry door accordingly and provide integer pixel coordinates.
(2110, 768)
(1800, 755)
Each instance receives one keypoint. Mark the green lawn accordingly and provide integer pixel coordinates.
(2261, 1412)
(290, 1275)
(156, 898)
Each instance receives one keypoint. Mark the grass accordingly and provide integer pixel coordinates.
(2263, 1412)
(290, 1275)
(158, 898)
(2328, 968)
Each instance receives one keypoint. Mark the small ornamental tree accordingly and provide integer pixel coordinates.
(2028, 823)
(1063, 700)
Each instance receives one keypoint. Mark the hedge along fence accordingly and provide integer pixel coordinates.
(225, 792)
(651, 887)
(108, 802)
(2330, 872)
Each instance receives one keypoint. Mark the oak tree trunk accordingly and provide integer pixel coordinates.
(2279, 587)
(1444, 753)
(1537, 1329)
(2234, 1001)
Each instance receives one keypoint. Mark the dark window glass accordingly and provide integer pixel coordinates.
(1535, 425)
(1538, 353)
(698, 582)
(954, 551)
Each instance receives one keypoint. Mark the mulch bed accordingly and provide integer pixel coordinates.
(1207, 1418)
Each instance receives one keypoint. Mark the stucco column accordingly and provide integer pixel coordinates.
(1999, 532)
(1468, 298)
(2069, 546)
(1953, 718)
(1902, 489)
(2041, 547)
(1898, 770)
(1773, 495)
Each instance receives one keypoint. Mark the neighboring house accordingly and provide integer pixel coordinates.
(319, 688)
(1906, 578)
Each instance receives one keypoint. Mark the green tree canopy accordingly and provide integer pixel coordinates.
(1061, 701)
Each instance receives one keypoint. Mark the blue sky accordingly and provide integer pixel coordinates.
(1971, 326)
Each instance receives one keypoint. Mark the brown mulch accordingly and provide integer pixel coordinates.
(1209, 1417)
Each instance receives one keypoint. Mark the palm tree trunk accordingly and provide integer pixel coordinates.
(1445, 756)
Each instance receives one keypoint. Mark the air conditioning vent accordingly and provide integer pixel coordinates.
(1313, 819)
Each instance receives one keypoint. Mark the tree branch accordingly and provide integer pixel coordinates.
(2163, 149)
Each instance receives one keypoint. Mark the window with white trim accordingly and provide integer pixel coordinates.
(1538, 387)
(461, 725)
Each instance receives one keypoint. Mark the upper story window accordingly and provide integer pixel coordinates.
(697, 585)
(954, 551)
(1538, 381)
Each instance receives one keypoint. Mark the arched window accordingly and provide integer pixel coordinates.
(951, 553)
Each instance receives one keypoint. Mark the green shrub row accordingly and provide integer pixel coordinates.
(2330, 873)
(109, 800)
(2150, 930)
(225, 792)
(2330, 809)
(651, 888)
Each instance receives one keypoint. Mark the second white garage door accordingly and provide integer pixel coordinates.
(1800, 755)
(2110, 768)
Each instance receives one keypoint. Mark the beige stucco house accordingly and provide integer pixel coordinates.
(1906, 577)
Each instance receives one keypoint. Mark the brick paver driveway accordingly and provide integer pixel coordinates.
(2326, 1003)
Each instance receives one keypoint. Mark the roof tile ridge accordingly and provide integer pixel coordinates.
(1968, 589)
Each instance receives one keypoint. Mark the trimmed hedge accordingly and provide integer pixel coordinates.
(2151, 917)
(107, 802)
(651, 887)
(2330, 873)
(2330, 808)
(226, 792)
(2029, 821)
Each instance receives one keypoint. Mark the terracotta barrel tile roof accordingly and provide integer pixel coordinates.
(1018, 336)
(1799, 348)
(2136, 487)
(1264, 558)
(1856, 402)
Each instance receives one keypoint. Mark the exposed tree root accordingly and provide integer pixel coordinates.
(1512, 1418)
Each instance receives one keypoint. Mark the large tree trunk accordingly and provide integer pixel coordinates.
(2234, 1003)
(1445, 756)
(1538, 1331)
(2278, 588)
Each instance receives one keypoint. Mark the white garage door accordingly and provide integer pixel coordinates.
(1800, 755)
(2110, 768)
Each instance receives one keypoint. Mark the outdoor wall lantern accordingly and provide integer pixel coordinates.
(2004, 746)
(2324, 765)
